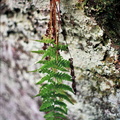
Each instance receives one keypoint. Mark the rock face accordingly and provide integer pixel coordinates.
(96, 62)
(107, 16)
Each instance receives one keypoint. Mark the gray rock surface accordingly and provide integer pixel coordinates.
(22, 22)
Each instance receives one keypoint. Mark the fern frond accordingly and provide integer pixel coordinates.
(46, 40)
(61, 68)
(48, 89)
(45, 78)
(48, 109)
(39, 51)
(64, 87)
(45, 105)
(60, 110)
(58, 118)
(60, 103)
(63, 96)
(47, 86)
(62, 76)
(51, 51)
(50, 118)
(47, 95)
(53, 91)
(64, 63)
(42, 87)
(53, 64)
(61, 47)
(46, 71)
(48, 64)
(59, 75)
(42, 61)
(49, 115)
(60, 115)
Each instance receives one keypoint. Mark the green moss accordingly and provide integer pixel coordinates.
(106, 13)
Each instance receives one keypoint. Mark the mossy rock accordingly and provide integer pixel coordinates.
(107, 15)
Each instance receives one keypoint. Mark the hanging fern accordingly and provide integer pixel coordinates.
(53, 91)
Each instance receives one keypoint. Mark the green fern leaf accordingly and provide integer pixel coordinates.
(51, 51)
(50, 118)
(53, 93)
(49, 115)
(65, 63)
(48, 89)
(42, 87)
(53, 64)
(60, 103)
(61, 47)
(39, 51)
(47, 95)
(63, 96)
(46, 40)
(61, 66)
(47, 86)
(48, 64)
(48, 109)
(45, 105)
(60, 110)
(42, 61)
(58, 119)
(62, 76)
(59, 75)
(64, 87)
(46, 92)
(45, 78)
(50, 72)
(60, 115)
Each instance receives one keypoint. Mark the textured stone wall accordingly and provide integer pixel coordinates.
(107, 15)
(95, 61)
